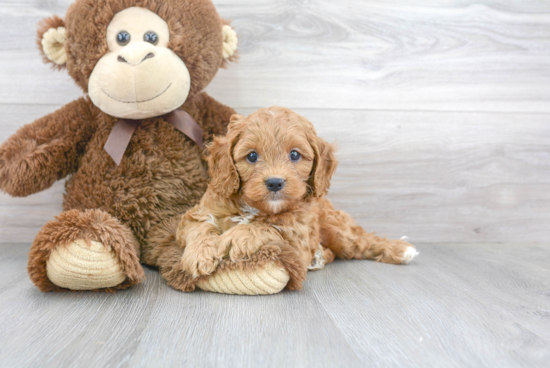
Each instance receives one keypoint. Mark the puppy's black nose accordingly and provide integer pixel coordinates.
(275, 184)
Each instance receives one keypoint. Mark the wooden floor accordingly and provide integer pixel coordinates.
(457, 305)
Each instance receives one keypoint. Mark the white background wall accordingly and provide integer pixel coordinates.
(441, 109)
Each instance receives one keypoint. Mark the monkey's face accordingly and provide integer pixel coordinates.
(140, 77)
(139, 58)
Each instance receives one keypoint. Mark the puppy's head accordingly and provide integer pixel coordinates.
(273, 159)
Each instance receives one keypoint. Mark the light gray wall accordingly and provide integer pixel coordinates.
(441, 109)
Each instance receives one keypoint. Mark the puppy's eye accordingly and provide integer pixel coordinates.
(123, 38)
(252, 157)
(151, 37)
(295, 156)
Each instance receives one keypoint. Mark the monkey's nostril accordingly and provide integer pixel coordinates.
(148, 56)
(275, 184)
(121, 59)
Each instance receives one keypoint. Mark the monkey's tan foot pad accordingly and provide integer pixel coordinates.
(268, 279)
(79, 266)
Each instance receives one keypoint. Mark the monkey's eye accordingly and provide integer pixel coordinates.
(123, 38)
(295, 156)
(151, 37)
(252, 157)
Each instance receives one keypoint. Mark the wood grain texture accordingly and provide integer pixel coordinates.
(433, 176)
(405, 55)
(453, 55)
(457, 305)
(441, 109)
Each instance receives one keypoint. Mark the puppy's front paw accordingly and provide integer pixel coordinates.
(198, 265)
(244, 248)
(244, 241)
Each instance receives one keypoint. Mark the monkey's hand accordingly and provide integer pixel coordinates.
(45, 151)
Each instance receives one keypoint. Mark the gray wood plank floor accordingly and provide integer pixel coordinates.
(457, 305)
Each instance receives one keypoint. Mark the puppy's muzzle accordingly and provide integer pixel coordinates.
(275, 184)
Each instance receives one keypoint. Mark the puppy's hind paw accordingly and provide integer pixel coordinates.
(409, 255)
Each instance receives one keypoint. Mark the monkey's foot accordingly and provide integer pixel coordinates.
(81, 266)
(268, 279)
(275, 267)
(88, 250)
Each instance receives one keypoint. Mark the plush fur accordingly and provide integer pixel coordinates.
(240, 223)
(162, 173)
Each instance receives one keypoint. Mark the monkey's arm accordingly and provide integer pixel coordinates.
(214, 116)
(47, 150)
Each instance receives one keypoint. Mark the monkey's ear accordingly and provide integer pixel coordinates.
(230, 42)
(51, 41)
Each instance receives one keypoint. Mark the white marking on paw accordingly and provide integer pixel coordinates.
(318, 262)
(409, 255)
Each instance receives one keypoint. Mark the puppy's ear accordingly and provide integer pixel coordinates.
(324, 166)
(224, 178)
(51, 39)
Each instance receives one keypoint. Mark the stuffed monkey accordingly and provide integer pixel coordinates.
(132, 146)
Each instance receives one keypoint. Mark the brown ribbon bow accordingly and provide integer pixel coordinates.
(122, 132)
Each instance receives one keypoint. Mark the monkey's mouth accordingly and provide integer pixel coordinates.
(132, 102)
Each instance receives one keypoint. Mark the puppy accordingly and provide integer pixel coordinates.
(269, 178)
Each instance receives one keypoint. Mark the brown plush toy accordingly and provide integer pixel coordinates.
(132, 147)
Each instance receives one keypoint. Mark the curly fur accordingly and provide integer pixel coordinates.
(241, 224)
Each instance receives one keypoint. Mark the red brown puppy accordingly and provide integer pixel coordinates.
(269, 178)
